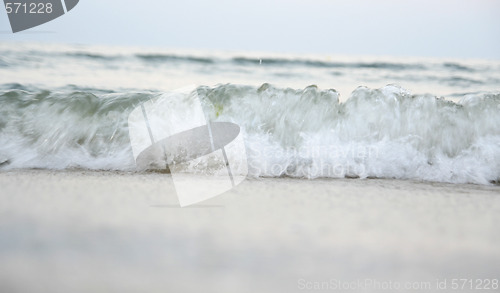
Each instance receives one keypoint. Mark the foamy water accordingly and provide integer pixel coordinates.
(67, 107)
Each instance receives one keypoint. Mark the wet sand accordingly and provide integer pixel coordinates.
(83, 231)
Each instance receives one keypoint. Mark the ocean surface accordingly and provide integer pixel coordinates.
(304, 116)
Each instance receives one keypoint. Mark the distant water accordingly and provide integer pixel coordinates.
(302, 116)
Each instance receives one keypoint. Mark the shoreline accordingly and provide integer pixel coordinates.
(88, 172)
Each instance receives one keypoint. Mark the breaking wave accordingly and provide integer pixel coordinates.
(381, 133)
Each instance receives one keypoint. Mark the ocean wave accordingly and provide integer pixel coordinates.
(95, 56)
(458, 67)
(325, 64)
(3, 63)
(461, 81)
(381, 133)
(13, 58)
(170, 57)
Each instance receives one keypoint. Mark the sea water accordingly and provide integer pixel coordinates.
(304, 116)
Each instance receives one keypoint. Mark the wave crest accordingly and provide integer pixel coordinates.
(383, 133)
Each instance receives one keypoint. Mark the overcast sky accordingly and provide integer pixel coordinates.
(436, 28)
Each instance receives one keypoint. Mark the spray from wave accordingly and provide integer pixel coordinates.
(381, 133)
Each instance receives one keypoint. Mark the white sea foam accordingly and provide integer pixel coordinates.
(383, 133)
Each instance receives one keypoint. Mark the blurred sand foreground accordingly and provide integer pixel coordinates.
(83, 231)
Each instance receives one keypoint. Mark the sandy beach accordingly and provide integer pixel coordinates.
(249, 146)
(89, 231)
